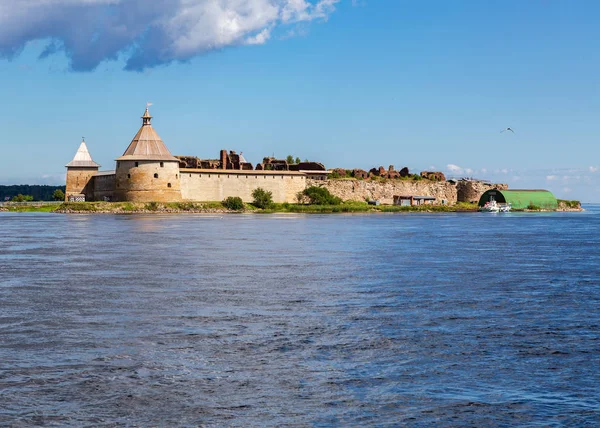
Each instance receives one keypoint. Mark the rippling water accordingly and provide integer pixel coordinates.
(247, 320)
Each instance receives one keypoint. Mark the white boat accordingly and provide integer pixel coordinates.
(490, 207)
(494, 207)
(505, 208)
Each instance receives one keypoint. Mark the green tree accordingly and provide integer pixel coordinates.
(290, 159)
(58, 195)
(233, 203)
(22, 198)
(262, 198)
(320, 196)
(298, 159)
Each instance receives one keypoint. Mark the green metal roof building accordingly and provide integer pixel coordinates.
(521, 199)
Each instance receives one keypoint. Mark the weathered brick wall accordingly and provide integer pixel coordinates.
(79, 181)
(139, 184)
(384, 191)
(216, 185)
(471, 191)
(104, 187)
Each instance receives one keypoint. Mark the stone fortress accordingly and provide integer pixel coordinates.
(148, 172)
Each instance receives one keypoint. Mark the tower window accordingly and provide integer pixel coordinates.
(137, 164)
(128, 175)
(162, 164)
(168, 184)
(155, 175)
(176, 176)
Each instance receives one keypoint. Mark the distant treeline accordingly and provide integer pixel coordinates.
(39, 192)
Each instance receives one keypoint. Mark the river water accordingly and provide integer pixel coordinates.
(300, 320)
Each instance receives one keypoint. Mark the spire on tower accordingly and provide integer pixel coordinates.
(82, 158)
(146, 118)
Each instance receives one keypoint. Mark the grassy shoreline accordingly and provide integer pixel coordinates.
(217, 207)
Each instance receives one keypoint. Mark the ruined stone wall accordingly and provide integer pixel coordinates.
(216, 185)
(104, 187)
(384, 191)
(80, 181)
(471, 191)
(149, 181)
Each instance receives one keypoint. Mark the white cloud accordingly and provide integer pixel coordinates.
(259, 39)
(454, 168)
(551, 177)
(147, 32)
(593, 168)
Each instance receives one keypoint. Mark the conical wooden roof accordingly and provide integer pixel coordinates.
(82, 158)
(147, 144)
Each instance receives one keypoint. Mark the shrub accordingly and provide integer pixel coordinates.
(185, 206)
(58, 195)
(152, 206)
(569, 204)
(320, 196)
(22, 198)
(233, 203)
(262, 198)
(533, 207)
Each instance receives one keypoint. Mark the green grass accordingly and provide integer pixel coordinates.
(33, 208)
(79, 206)
(344, 207)
(151, 206)
(363, 207)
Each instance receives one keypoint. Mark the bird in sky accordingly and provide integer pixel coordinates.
(507, 129)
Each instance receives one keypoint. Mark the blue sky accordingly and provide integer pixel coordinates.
(423, 84)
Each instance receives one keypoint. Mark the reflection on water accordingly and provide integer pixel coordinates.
(249, 320)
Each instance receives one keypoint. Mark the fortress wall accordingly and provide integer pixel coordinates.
(384, 191)
(139, 183)
(104, 187)
(216, 185)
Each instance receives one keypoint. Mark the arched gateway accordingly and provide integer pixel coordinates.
(521, 199)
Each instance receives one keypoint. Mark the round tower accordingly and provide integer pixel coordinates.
(80, 176)
(147, 171)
